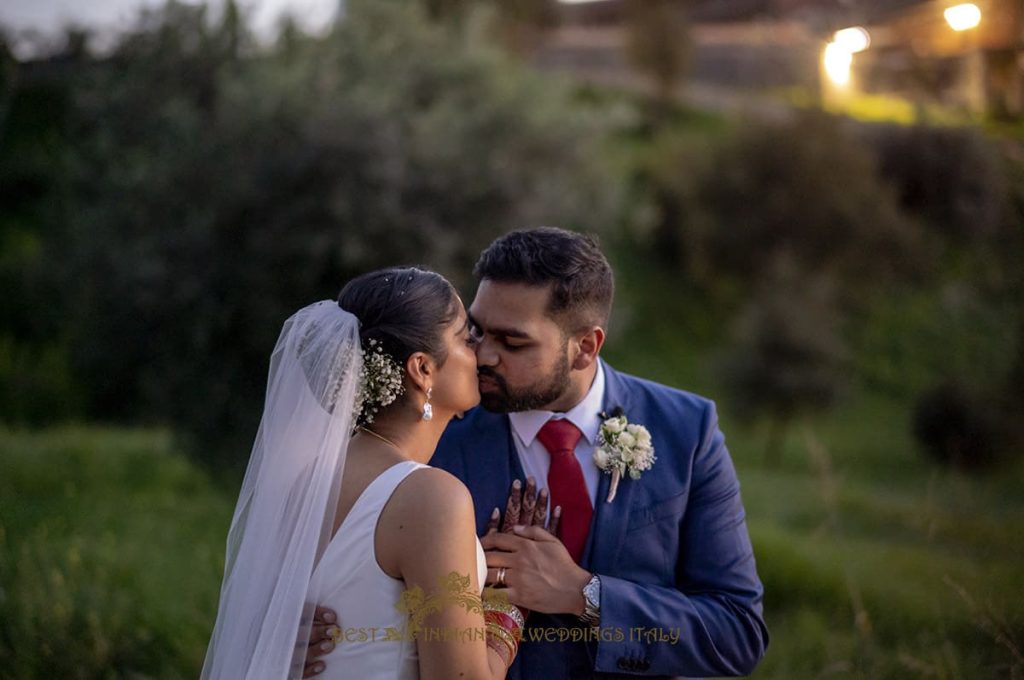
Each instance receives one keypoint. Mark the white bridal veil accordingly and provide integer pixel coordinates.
(285, 511)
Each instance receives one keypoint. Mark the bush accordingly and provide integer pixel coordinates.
(787, 356)
(955, 428)
(36, 387)
(805, 190)
(951, 178)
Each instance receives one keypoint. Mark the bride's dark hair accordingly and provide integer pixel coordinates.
(405, 309)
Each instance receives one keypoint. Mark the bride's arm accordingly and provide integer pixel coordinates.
(430, 529)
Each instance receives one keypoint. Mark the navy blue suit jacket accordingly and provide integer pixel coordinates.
(672, 549)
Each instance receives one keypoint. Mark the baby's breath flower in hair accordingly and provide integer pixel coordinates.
(380, 381)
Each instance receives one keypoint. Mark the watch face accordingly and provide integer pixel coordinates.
(592, 591)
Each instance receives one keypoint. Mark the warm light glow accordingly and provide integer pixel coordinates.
(837, 62)
(963, 17)
(853, 40)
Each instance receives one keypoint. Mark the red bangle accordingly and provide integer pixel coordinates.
(504, 620)
(502, 649)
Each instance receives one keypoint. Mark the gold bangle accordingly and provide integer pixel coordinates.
(498, 645)
(498, 633)
(506, 608)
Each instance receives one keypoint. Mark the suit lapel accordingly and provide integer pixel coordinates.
(608, 527)
(491, 463)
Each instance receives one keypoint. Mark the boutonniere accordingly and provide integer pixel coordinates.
(622, 448)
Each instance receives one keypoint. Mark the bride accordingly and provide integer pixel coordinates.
(364, 386)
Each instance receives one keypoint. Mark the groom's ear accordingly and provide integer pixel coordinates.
(588, 345)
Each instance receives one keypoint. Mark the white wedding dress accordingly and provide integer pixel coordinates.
(349, 580)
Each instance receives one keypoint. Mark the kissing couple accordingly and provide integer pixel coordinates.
(395, 423)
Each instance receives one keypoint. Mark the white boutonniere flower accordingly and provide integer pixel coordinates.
(623, 448)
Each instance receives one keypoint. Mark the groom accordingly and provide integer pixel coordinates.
(657, 579)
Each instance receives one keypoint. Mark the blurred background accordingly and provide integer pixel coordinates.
(815, 209)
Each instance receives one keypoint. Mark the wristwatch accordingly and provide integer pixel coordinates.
(592, 601)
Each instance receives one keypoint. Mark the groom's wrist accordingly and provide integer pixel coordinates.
(576, 603)
(592, 601)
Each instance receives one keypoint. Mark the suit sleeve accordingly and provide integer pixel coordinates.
(716, 604)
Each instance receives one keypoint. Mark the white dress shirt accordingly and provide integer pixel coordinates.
(585, 415)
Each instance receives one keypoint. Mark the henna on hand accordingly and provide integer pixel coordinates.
(540, 511)
(513, 507)
(556, 516)
(529, 502)
(524, 507)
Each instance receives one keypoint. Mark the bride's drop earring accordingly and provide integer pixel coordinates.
(428, 410)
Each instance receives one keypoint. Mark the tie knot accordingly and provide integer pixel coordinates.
(559, 436)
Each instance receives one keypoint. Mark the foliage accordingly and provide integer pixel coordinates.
(956, 428)
(788, 225)
(215, 186)
(950, 177)
(804, 190)
(913, 338)
(879, 254)
(787, 355)
(35, 385)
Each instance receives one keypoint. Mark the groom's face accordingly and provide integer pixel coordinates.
(522, 353)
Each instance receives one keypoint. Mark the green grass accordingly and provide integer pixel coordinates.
(111, 551)
(875, 564)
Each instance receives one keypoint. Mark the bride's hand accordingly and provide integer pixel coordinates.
(524, 509)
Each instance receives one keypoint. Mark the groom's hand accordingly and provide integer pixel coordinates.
(321, 640)
(540, 575)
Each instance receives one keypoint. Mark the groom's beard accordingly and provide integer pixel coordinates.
(505, 400)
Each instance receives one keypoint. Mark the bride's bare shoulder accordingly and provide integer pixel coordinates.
(433, 490)
(429, 519)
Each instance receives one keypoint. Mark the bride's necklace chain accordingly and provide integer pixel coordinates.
(363, 428)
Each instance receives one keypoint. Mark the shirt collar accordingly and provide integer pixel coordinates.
(584, 415)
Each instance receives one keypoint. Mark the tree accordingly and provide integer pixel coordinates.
(787, 358)
(210, 193)
(787, 224)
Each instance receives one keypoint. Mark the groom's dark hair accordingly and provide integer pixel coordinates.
(582, 285)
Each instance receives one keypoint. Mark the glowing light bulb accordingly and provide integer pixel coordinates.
(853, 40)
(837, 61)
(963, 17)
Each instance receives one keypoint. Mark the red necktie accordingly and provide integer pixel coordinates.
(566, 484)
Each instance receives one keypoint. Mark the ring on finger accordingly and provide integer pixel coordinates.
(499, 578)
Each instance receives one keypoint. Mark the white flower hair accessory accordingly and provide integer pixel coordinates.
(380, 381)
(623, 448)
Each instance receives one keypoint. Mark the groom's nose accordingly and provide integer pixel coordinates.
(486, 354)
